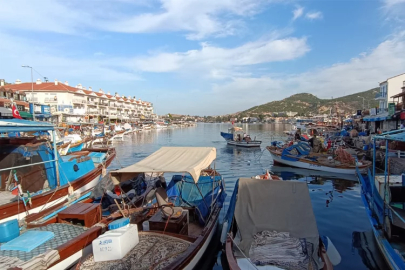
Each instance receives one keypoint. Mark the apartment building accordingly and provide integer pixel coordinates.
(389, 88)
(381, 119)
(8, 96)
(81, 104)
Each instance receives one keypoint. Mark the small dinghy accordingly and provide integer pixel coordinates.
(271, 225)
(236, 136)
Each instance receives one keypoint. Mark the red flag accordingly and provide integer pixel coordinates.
(16, 114)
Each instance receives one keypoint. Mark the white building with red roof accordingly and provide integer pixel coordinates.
(78, 104)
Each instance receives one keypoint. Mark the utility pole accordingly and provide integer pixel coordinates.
(363, 100)
(32, 92)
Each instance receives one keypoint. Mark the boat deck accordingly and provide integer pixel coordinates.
(7, 197)
(63, 234)
(154, 251)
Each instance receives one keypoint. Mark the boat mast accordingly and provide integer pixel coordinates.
(55, 152)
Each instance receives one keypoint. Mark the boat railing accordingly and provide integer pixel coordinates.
(27, 165)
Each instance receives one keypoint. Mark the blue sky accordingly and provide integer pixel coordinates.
(205, 57)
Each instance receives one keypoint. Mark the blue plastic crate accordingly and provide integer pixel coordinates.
(97, 157)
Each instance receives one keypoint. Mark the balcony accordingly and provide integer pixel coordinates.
(79, 111)
(92, 103)
(92, 112)
(103, 103)
(51, 100)
(79, 101)
(381, 96)
(381, 110)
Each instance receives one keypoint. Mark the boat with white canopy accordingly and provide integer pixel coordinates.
(271, 225)
(183, 217)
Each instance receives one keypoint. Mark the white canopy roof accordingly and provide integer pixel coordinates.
(170, 159)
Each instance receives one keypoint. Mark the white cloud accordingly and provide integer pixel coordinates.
(390, 3)
(200, 18)
(218, 62)
(297, 12)
(359, 74)
(197, 18)
(314, 15)
(55, 65)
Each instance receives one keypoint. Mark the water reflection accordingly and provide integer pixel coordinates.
(366, 246)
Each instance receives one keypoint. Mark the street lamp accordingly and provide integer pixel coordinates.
(363, 100)
(32, 93)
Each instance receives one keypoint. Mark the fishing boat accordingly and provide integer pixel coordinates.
(146, 127)
(59, 236)
(117, 137)
(259, 232)
(76, 142)
(177, 234)
(300, 155)
(235, 136)
(33, 174)
(63, 148)
(293, 173)
(128, 129)
(382, 195)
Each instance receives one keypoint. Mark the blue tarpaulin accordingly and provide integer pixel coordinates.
(183, 191)
(302, 149)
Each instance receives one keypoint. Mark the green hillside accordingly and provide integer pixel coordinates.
(305, 104)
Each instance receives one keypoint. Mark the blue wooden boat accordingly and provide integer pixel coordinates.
(382, 195)
(76, 147)
(33, 176)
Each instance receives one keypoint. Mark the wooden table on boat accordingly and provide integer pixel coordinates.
(158, 223)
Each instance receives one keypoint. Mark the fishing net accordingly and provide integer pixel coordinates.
(344, 157)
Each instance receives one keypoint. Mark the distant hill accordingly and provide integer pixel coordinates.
(305, 103)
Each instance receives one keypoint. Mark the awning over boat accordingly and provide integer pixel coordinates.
(190, 160)
(396, 135)
(282, 206)
(378, 117)
(20, 125)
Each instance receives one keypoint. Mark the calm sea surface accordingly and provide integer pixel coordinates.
(337, 204)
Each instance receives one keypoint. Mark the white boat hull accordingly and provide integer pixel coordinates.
(304, 165)
(118, 137)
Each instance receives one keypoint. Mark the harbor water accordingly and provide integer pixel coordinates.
(337, 203)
